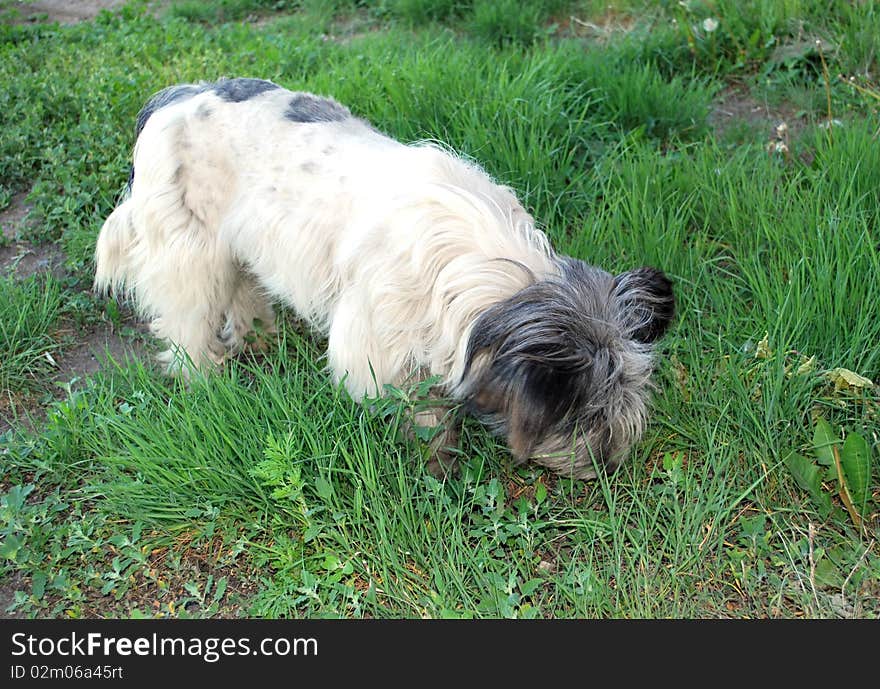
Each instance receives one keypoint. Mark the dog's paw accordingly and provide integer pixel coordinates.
(443, 451)
(443, 463)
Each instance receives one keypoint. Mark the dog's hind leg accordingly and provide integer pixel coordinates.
(188, 298)
(159, 253)
(183, 275)
(184, 282)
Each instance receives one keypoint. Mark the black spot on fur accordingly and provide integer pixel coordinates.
(231, 90)
(235, 90)
(165, 97)
(304, 107)
(241, 89)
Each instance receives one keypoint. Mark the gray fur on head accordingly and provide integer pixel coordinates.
(562, 368)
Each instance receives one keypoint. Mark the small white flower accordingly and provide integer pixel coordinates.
(710, 24)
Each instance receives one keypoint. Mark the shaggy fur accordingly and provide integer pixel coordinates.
(412, 261)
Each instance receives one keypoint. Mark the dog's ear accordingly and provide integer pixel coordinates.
(647, 303)
(544, 393)
(524, 400)
(528, 375)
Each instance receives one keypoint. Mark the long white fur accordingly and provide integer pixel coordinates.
(391, 250)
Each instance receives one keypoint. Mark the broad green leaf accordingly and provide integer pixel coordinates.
(827, 574)
(540, 492)
(802, 470)
(312, 531)
(16, 496)
(220, 589)
(449, 614)
(755, 38)
(10, 547)
(855, 460)
(427, 433)
(823, 440)
(808, 477)
(671, 461)
(38, 584)
(752, 527)
(529, 587)
(323, 488)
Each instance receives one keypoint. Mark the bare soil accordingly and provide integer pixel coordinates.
(8, 587)
(735, 106)
(90, 346)
(65, 11)
(21, 257)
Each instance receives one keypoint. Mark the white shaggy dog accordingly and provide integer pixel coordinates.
(412, 261)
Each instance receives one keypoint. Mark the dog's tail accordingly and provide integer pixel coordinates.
(112, 250)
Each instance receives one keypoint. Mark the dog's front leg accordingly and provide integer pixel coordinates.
(443, 424)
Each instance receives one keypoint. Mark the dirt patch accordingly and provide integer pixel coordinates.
(162, 587)
(736, 107)
(157, 590)
(14, 216)
(8, 586)
(82, 350)
(20, 257)
(64, 11)
(89, 351)
(92, 351)
(599, 28)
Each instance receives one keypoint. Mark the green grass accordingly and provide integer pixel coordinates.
(266, 471)
(28, 311)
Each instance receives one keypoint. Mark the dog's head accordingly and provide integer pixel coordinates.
(562, 368)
